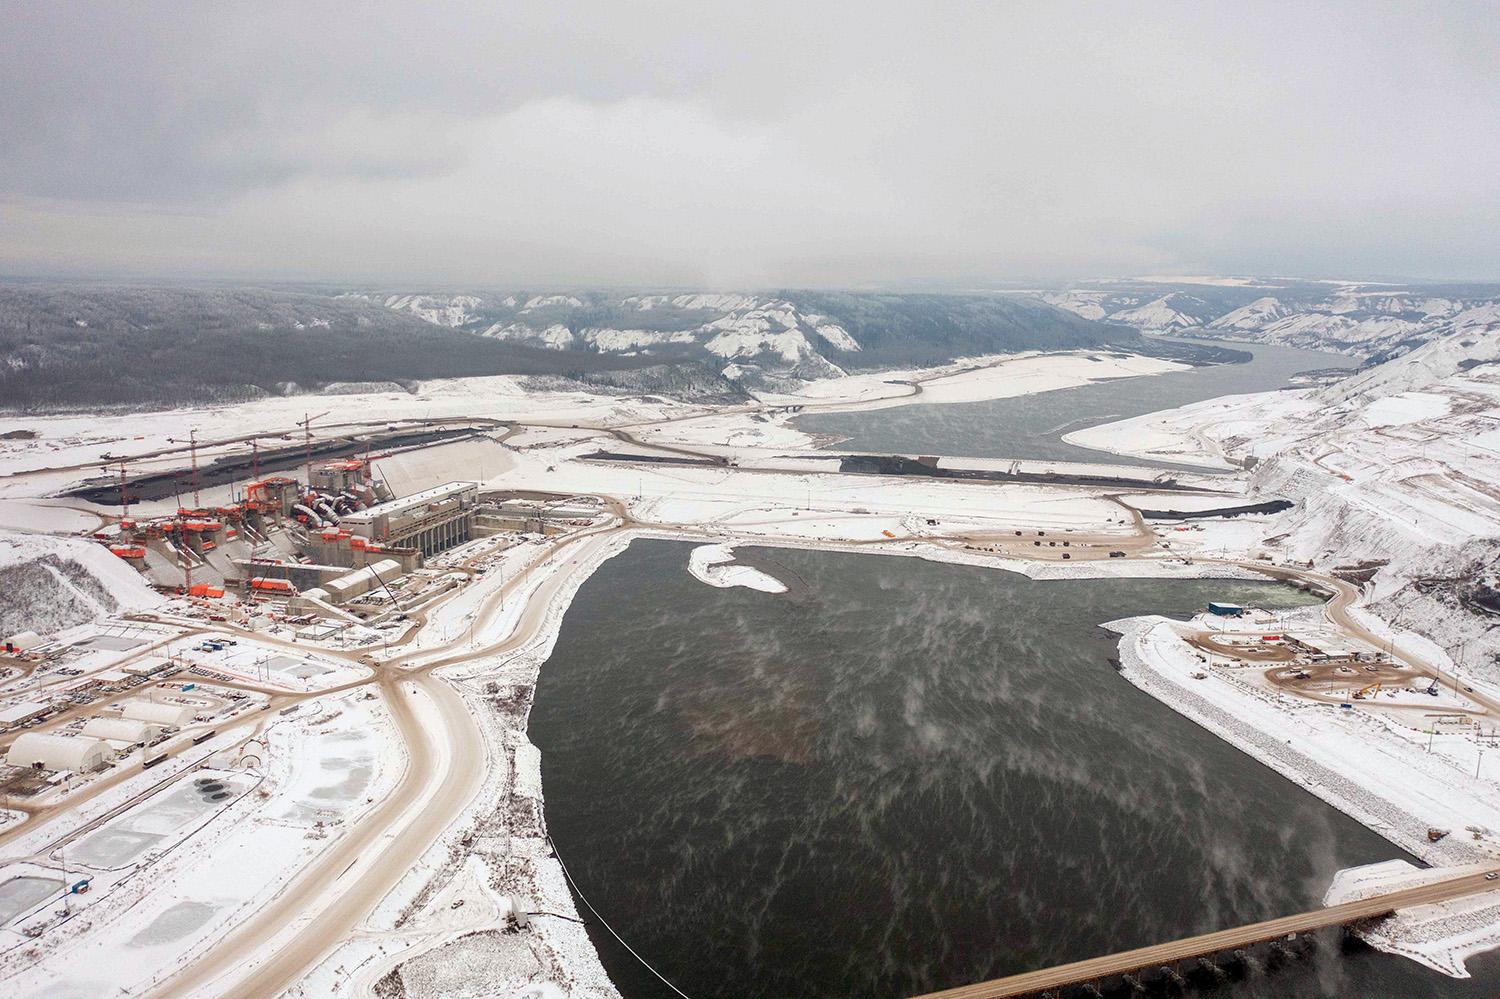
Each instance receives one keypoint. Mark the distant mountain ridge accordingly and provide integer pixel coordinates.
(1369, 319)
(789, 334)
(84, 346)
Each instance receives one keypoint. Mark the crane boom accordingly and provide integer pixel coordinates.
(306, 424)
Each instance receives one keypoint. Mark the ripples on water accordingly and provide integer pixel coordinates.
(914, 776)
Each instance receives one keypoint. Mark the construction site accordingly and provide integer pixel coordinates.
(317, 544)
(334, 546)
(331, 665)
(1324, 665)
(332, 558)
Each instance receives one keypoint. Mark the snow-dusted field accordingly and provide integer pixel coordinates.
(976, 379)
(174, 871)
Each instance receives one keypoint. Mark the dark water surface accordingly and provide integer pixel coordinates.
(911, 776)
(1032, 426)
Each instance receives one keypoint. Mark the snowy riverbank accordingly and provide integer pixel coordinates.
(1441, 935)
(974, 379)
(495, 855)
(1368, 768)
(1355, 761)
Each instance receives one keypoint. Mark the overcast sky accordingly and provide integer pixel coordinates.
(748, 144)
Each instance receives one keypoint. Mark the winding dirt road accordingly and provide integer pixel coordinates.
(445, 770)
(1339, 610)
(328, 899)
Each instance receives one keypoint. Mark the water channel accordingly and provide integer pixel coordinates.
(1032, 426)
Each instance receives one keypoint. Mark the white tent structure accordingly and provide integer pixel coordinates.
(23, 641)
(58, 752)
(126, 731)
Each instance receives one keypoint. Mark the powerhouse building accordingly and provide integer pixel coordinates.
(430, 521)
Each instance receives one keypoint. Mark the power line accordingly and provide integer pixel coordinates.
(606, 925)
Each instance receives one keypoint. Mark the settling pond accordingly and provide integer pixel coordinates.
(904, 776)
(1032, 426)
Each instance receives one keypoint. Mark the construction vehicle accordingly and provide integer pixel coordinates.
(1367, 691)
(1432, 691)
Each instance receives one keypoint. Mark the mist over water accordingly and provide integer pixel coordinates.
(908, 777)
(1032, 426)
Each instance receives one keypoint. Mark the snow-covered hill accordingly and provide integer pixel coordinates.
(452, 310)
(50, 583)
(1368, 319)
(1257, 315)
(734, 327)
(1168, 313)
(1394, 471)
(798, 335)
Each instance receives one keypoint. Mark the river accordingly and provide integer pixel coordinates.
(1032, 426)
(904, 775)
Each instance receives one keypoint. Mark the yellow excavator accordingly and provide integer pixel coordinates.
(1367, 691)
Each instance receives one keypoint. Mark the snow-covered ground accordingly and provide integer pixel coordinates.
(978, 379)
(1441, 935)
(714, 565)
(1395, 469)
(1359, 761)
(175, 870)
(50, 583)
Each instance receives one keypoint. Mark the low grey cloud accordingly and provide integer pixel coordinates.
(708, 144)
